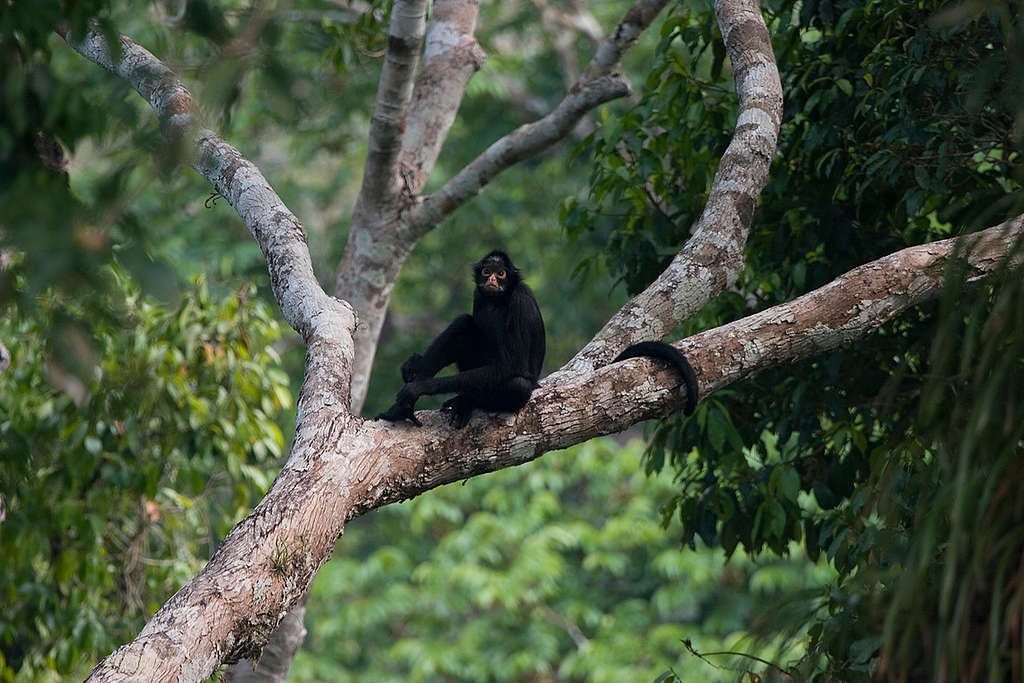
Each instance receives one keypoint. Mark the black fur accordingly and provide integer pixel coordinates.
(499, 350)
(672, 356)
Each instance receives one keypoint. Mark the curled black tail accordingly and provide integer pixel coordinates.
(672, 356)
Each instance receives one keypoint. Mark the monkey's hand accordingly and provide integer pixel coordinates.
(459, 409)
(398, 412)
(412, 369)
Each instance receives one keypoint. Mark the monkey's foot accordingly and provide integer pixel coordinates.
(459, 409)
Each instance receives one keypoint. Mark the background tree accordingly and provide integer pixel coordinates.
(809, 451)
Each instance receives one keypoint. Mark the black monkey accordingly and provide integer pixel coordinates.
(499, 350)
(672, 356)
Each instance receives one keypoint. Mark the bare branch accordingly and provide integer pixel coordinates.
(325, 323)
(713, 257)
(381, 189)
(518, 145)
(599, 84)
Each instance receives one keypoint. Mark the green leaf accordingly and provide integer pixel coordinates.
(785, 482)
(93, 445)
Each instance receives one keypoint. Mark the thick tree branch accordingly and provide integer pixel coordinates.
(713, 257)
(850, 307)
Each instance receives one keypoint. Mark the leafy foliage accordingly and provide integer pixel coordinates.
(124, 455)
(557, 569)
(897, 130)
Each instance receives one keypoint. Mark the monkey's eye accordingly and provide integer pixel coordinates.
(486, 272)
(501, 274)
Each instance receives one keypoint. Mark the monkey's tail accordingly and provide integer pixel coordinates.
(672, 356)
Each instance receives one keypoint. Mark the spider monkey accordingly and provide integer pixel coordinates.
(499, 350)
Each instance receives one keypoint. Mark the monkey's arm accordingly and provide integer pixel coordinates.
(469, 380)
(476, 379)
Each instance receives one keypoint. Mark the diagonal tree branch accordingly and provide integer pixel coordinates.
(712, 258)
(520, 144)
(325, 323)
(598, 84)
(850, 307)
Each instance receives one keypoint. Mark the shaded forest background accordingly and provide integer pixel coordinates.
(868, 502)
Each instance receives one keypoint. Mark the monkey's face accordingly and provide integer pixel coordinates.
(492, 279)
(494, 275)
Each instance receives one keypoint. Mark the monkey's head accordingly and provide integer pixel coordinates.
(495, 275)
